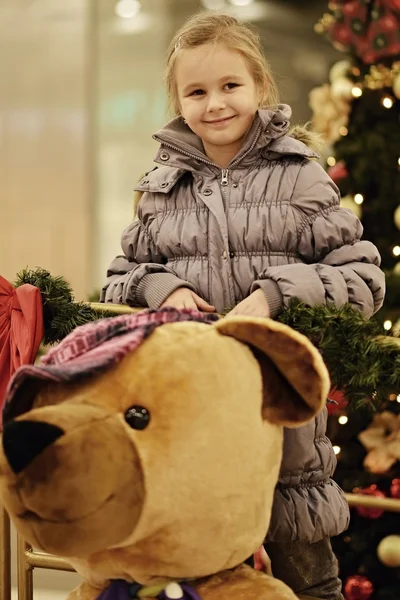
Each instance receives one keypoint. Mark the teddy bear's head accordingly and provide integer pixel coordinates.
(168, 451)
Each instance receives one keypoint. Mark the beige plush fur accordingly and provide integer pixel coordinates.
(190, 496)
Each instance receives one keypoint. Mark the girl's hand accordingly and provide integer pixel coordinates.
(185, 298)
(255, 305)
(262, 561)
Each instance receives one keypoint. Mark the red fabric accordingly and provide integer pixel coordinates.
(21, 330)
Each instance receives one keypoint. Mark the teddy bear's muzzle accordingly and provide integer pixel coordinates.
(61, 478)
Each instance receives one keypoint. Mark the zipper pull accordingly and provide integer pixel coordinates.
(224, 177)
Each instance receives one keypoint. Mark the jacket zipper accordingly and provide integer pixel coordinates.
(224, 183)
(224, 180)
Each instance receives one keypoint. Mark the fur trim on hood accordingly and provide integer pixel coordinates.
(302, 133)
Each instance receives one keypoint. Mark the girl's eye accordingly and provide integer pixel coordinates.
(231, 86)
(197, 93)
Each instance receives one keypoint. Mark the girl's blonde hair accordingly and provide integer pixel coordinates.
(214, 28)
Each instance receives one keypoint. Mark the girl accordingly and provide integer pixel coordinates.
(241, 217)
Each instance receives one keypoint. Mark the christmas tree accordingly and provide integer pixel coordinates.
(358, 112)
(368, 448)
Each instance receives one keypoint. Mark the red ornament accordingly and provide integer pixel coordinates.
(394, 48)
(369, 57)
(389, 23)
(369, 35)
(370, 513)
(338, 171)
(393, 4)
(351, 9)
(358, 587)
(341, 34)
(395, 489)
(337, 402)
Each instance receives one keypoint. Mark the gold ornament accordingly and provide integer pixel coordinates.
(329, 114)
(396, 217)
(319, 28)
(389, 551)
(327, 21)
(342, 88)
(348, 202)
(380, 76)
(381, 439)
(339, 69)
(396, 86)
(396, 332)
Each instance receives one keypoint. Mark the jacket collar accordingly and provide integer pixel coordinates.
(182, 149)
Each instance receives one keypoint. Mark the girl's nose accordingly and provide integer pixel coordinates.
(216, 101)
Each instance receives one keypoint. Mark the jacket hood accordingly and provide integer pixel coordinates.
(183, 149)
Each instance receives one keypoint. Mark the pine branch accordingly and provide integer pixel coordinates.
(362, 359)
(61, 314)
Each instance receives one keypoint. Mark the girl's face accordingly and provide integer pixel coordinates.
(218, 98)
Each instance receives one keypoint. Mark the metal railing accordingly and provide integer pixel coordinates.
(5, 556)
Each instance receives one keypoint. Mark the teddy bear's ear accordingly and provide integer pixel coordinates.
(295, 379)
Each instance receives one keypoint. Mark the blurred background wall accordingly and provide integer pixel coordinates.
(81, 92)
(46, 103)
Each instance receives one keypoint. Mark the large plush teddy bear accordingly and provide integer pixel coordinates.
(146, 448)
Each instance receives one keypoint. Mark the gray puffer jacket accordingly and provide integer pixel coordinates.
(270, 220)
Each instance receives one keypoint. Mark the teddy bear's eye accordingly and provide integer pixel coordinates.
(137, 417)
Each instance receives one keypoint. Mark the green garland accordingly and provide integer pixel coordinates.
(362, 360)
(61, 314)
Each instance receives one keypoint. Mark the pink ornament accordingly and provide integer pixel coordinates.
(395, 489)
(338, 171)
(370, 513)
(358, 587)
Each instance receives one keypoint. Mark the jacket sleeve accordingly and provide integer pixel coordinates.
(140, 276)
(336, 265)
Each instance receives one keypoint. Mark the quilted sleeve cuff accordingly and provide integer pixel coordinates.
(272, 293)
(154, 288)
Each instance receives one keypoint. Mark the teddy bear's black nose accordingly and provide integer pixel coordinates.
(24, 440)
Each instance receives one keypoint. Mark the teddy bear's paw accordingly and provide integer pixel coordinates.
(244, 583)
